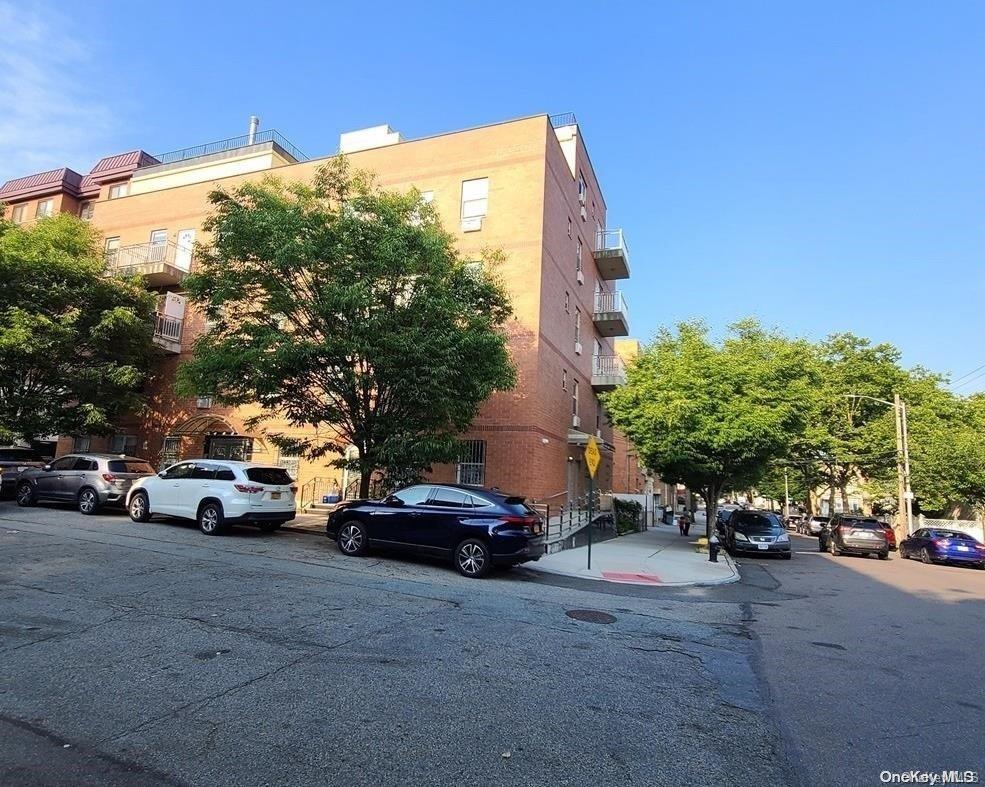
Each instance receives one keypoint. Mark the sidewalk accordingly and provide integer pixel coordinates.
(659, 556)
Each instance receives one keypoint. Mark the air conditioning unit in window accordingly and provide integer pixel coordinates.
(575, 421)
(598, 433)
(584, 213)
(472, 225)
(580, 277)
(577, 348)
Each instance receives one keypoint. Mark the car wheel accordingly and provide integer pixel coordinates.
(269, 527)
(833, 548)
(884, 555)
(25, 495)
(787, 555)
(139, 508)
(88, 501)
(211, 519)
(473, 559)
(925, 556)
(353, 539)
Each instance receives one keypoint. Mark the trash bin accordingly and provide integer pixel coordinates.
(330, 498)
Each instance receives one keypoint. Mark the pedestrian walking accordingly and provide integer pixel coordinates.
(684, 523)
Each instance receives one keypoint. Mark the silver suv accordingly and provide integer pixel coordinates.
(88, 480)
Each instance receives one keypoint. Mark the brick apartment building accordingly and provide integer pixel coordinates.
(524, 186)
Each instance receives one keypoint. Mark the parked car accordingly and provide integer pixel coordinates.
(935, 545)
(474, 528)
(854, 535)
(890, 535)
(814, 525)
(216, 494)
(760, 532)
(793, 522)
(88, 480)
(14, 460)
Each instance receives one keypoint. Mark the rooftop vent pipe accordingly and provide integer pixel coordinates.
(254, 125)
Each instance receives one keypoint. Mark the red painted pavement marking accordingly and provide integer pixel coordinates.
(639, 579)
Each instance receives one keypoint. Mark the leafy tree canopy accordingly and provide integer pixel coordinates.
(75, 344)
(343, 306)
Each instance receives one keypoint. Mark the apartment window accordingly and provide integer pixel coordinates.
(290, 460)
(598, 416)
(567, 302)
(158, 243)
(475, 198)
(123, 444)
(203, 402)
(112, 249)
(472, 463)
(577, 325)
(80, 444)
(118, 190)
(171, 452)
(574, 397)
(578, 257)
(18, 213)
(564, 379)
(427, 197)
(569, 226)
(85, 211)
(593, 210)
(45, 208)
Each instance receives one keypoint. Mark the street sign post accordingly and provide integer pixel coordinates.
(592, 458)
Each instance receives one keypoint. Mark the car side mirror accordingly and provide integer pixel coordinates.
(47, 468)
(396, 502)
(161, 474)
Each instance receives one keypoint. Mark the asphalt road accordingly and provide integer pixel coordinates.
(151, 654)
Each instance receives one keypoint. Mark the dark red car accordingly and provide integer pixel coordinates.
(890, 535)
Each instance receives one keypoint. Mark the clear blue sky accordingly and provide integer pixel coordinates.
(818, 166)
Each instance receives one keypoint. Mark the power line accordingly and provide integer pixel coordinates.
(956, 379)
(969, 380)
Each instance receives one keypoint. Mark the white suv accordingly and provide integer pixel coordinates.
(216, 493)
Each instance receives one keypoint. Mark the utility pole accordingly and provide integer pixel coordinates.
(786, 495)
(907, 492)
(901, 507)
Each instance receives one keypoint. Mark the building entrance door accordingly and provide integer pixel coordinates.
(576, 479)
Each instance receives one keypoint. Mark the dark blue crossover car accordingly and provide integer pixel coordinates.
(474, 528)
(937, 545)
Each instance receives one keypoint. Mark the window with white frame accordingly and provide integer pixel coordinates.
(86, 211)
(582, 189)
(46, 207)
(81, 443)
(475, 198)
(567, 302)
(118, 190)
(564, 379)
(472, 463)
(290, 460)
(171, 452)
(578, 257)
(574, 397)
(18, 214)
(123, 444)
(203, 402)
(577, 325)
(112, 249)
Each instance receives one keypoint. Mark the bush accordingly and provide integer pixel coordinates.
(628, 515)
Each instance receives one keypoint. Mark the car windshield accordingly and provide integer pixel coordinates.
(268, 475)
(513, 504)
(757, 522)
(19, 455)
(135, 466)
(953, 534)
(866, 524)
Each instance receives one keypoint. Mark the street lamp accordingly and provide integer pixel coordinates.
(902, 454)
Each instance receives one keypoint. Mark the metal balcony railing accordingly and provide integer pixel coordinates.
(167, 327)
(608, 366)
(141, 254)
(233, 143)
(563, 119)
(608, 302)
(612, 241)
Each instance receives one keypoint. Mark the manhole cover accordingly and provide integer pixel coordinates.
(591, 616)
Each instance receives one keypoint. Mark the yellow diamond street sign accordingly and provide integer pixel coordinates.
(592, 455)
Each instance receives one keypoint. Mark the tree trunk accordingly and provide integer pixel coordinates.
(831, 499)
(843, 489)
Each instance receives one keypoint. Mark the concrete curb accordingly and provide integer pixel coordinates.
(584, 574)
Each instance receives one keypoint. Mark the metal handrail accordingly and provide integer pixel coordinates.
(563, 119)
(138, 254)
(232, 143)
(612, 240)
(608, 365)
(167, 327)
(610, 302)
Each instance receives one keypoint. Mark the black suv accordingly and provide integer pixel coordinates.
(854, 535)
(759, 532)
(14, 460)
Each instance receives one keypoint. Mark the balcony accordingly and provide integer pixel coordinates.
(161, 264)
(611, 254)
(167, 332)
(611, 315)
(608, 372)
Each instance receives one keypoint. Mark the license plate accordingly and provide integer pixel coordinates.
(963, 549)
(863, 534)
(763, 546)
(275, 495)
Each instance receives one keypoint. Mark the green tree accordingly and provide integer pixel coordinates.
(345, 307)
(714, 416)
(74, 344)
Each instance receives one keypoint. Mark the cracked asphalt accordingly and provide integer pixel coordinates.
(151, 654)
